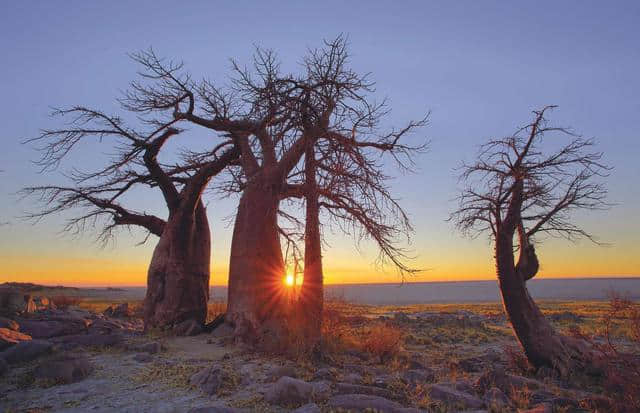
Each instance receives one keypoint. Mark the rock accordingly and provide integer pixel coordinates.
(9, 338)
(9, 323)
(308, 408)
(506, 382)
(321, 390)
(383, 380)
(540, 396)
(143, 357)
(539, 408)
(209, 380)
(122, 310)
(43, 303)
(454, 397)
(325, 374)
(471, 365)
(104, 327)
(216, 408)
(417, 377)
(88, 340)
(26, 351)
(108, 311)
(16, 302)
(362, 402)
(563, 402)
(496, 399)
(280, 371)
(187, 328)
(347, 388)
(288, 391)
(151, 348)
(416, 362)
(353, 378)
(53, 327)
(66, 368)
(222, 331)
(4, 367)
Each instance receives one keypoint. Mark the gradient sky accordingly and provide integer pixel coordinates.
(480, 67)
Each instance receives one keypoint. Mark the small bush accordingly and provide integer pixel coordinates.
(383, 341)
(620, 363)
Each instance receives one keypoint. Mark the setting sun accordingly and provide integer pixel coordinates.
(289, 280)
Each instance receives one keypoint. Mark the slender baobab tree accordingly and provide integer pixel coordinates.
(520, 187)
(342, 175)
(178, 275)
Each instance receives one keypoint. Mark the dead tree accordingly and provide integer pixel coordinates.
(178, 275)
(342, 176)
(520, 188)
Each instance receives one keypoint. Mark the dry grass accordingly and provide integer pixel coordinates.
(344, 330)
(170, 375)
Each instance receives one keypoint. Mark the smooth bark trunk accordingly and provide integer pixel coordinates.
(312, 291)
(542, 345)
(178, 276)
(256, 296)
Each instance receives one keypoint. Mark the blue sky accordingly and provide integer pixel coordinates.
(479, 67)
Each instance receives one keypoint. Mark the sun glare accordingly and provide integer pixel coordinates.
(289, 280)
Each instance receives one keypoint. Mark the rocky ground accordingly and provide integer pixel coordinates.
(74, 360)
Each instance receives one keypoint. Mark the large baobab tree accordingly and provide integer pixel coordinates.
(178, 275)
(520, 188)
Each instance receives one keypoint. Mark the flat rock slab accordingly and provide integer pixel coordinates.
(26, 351)
(362, 402)
(53, 328)
(209, 380)
(287, 391)
(348, 388)
(9, 337)
(454, 397)
(9, 323)
(88, 340)
(64, 369)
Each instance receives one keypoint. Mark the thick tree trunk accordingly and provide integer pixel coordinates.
(312, 291)
(543, 346)
(178, 276)
(256, 296)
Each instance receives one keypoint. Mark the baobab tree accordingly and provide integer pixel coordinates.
(179, 271)
(518, 186)
(342, 176)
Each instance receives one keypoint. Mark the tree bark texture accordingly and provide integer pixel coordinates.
(178, 275)
(256, 269)
(542, 345)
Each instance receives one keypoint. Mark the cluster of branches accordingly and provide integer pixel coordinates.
(262, 119)
(550, 184)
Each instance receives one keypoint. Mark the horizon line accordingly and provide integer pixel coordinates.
(399, 283)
